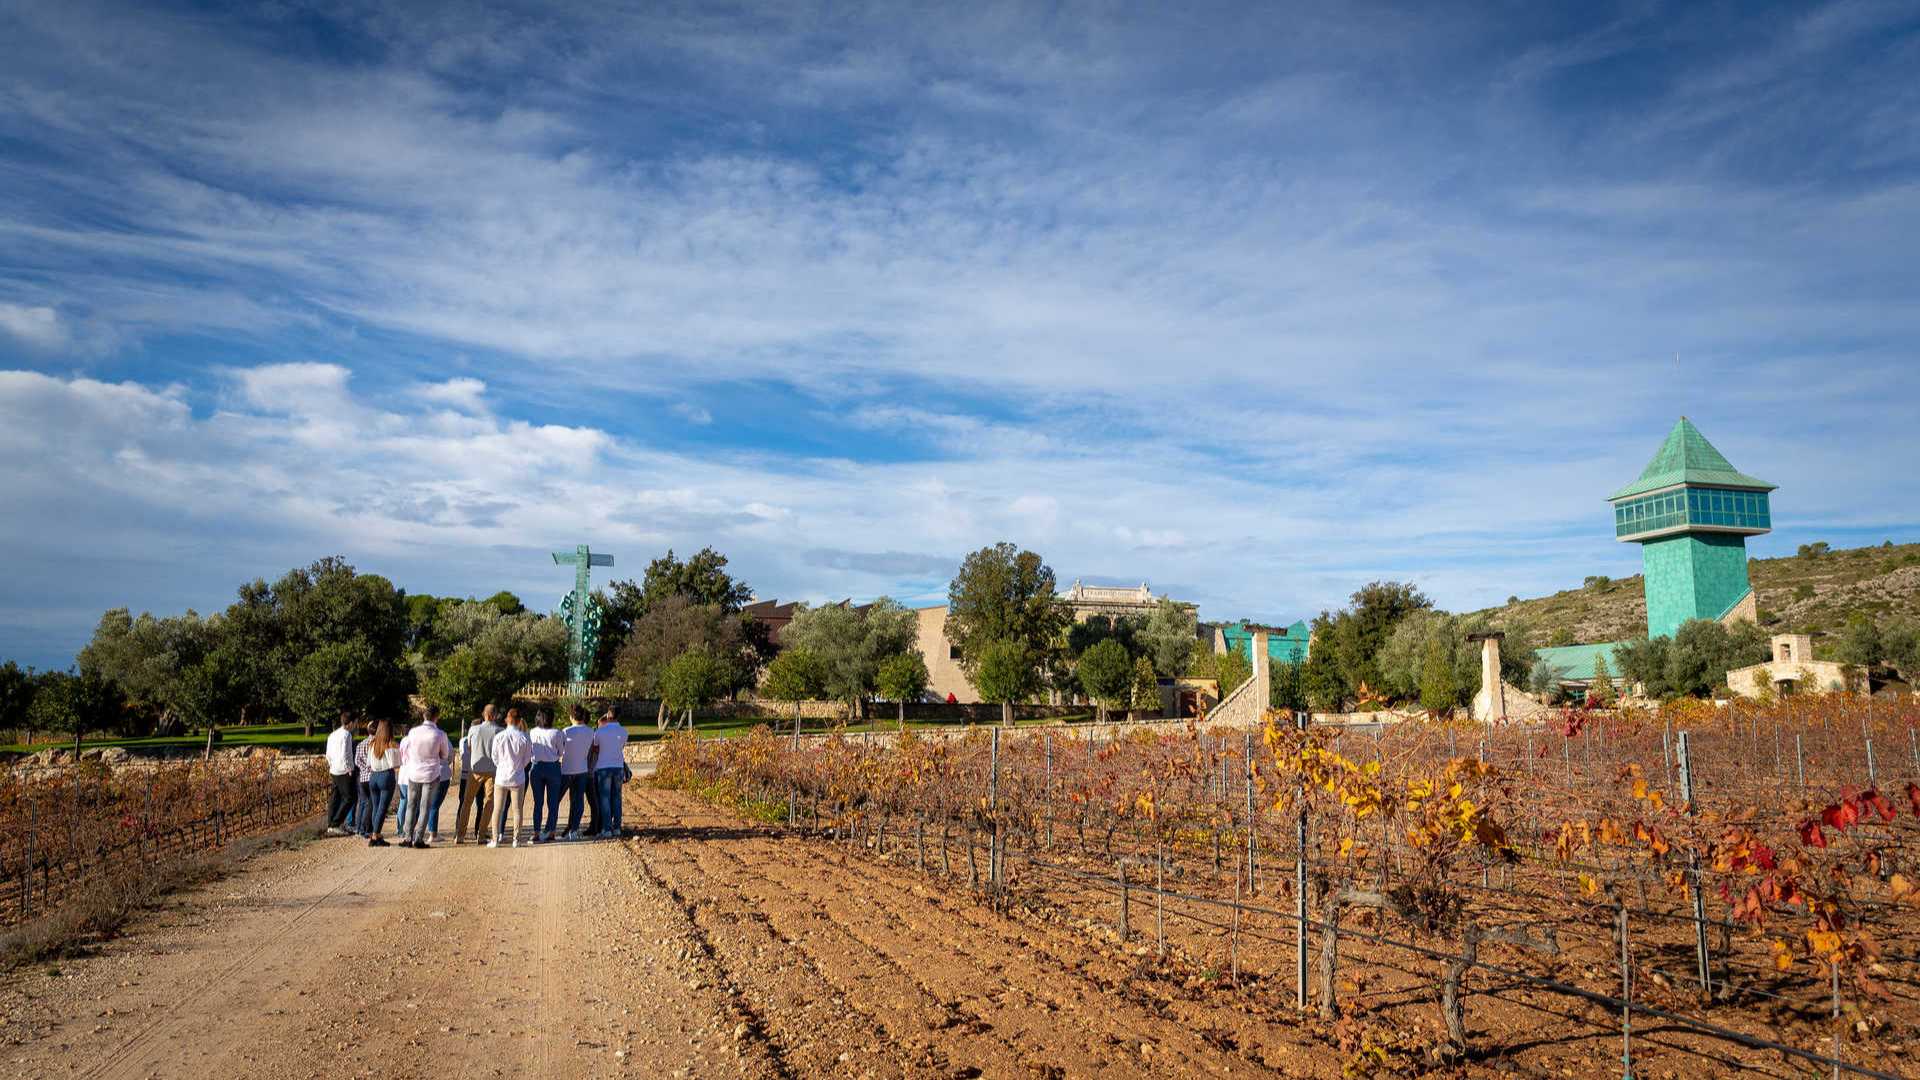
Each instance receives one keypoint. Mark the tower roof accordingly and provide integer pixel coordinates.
(1688, 458)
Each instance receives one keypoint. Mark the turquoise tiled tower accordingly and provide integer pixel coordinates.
(1691, 512)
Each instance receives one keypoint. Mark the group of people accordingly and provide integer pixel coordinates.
(499, 766)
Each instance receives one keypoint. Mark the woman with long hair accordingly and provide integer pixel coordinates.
(383, 765)
(512, 760)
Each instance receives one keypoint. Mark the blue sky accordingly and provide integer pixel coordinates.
(1253, 303)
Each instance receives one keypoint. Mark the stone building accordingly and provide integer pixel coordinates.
(1792, 668)
(1084, 601)
(944, 676)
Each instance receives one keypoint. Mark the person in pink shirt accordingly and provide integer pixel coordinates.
(424, 753)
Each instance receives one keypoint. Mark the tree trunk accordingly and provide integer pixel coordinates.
(1006, 714)
(77, 730)
(903, 714)
(212, 731)
(307, 728)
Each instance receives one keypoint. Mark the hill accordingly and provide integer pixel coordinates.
(1811, 593)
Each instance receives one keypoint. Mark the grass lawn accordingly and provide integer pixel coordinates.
(289, 738)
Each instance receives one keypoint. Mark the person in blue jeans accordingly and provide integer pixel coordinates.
(609, 772)
(383, 762)
(363, 773)
(549, 744)
(576, 769)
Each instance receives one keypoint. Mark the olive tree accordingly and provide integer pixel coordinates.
(1106, 673)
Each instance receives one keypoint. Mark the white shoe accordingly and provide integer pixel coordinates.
(433, 838)
(516, 841)
(493, 843)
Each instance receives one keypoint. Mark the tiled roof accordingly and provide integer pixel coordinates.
(1688, 458)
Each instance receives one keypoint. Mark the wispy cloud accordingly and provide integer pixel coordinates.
(1269, 301)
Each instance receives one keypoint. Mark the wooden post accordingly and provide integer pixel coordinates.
(1626, 1001)
(1253, 843)
(1800, 761)
(1046, 739)
(1873, 779)
(1702, 958)
(1300, 883)
(1120, 867)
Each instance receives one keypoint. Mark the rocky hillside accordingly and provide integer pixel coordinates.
(1810, 594)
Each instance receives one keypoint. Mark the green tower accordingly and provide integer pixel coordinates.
(1691, 512)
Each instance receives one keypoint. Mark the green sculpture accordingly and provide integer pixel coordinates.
(581, 610)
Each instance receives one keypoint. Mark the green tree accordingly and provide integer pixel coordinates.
(338, 675)
(505, 603)
(1861, 643)
(701, 580)
(1439, 689)
(1703, 651)
(1146, 688)
(77, 703)
(852, 642)
(1320, 678)
(1004, 594)
(675, 625)
(467, 681)
(1644, 662)
(1543, 680)
(903, 677)
(1288, 680)
(1106, 673)
(1902, 649)
(693, 680)
(17, 687)
(1600, 690)
(1353, 637)
(794, 676)
(1003, 674)
(1084, 634)
(1169, 636)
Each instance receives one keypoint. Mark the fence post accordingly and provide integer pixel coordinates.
(1800, 761)
(1300, 881)
(33, 830)
(1046, 739)
(1873, 778)
(1120, 866)
(1839, 1029)
(1913, 749)
(993, 808)
(1626, 1001)
(1253, 843)
(1702, 959)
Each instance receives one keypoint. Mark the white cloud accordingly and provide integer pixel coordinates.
(465, 394)
(36, 327)
(691, 413)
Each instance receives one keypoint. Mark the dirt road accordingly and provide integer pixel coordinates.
(699, 947)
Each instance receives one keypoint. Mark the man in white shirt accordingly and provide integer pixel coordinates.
(609, 771)
(548, 744)
(576, 769)
(340, 767)
(422, 754)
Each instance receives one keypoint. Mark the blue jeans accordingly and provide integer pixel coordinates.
(545, 782)
(580, 788)
(381, 789)
(436, 795)
(400, 814)
(608, 783)
(363, 809)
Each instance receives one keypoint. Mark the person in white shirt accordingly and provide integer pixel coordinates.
(512, 759)
(609, 771)
(383, 764)
(576, 769)
(423, 753)
(340, 767)
(548, 745)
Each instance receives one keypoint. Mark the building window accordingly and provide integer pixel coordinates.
(953, 652)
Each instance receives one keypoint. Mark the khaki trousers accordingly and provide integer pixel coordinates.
(476, 790)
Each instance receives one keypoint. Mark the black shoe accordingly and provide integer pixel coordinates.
(377, 842)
